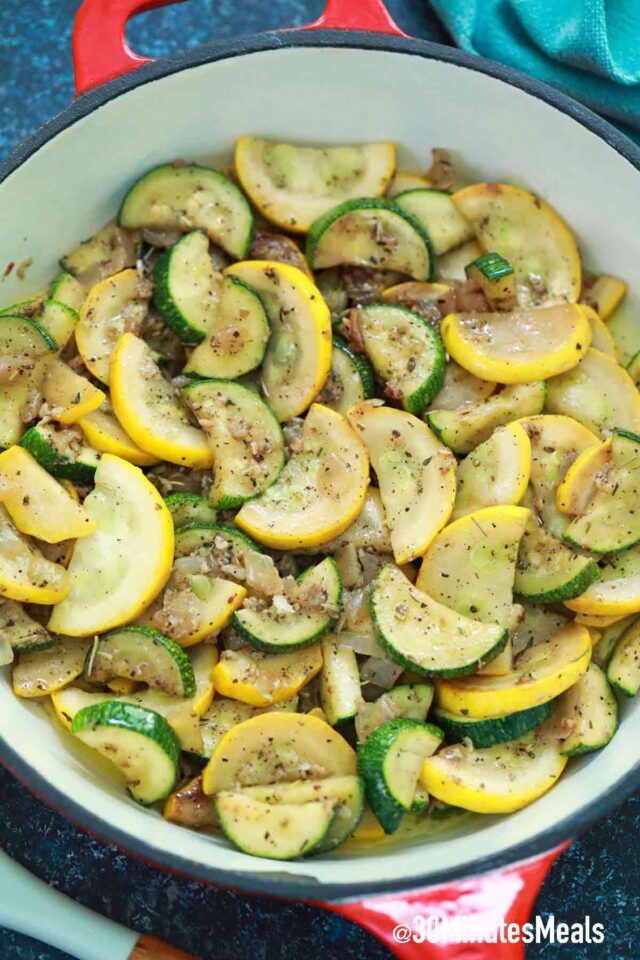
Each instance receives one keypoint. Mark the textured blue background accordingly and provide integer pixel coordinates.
(598, 875)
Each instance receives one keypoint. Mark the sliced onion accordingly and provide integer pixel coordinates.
(363, 643)
(381, 671)
(261, 573)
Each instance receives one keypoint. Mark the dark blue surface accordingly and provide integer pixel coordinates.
(598, 875)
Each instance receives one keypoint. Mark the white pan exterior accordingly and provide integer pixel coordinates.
(74, 183)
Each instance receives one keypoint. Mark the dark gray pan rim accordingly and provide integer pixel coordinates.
(276, 882)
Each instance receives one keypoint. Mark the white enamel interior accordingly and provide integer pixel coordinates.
(74, 183)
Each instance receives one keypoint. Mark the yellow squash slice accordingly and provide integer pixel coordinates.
(262, 679)
(121, 567)
(603, 293)
(579, 483)
(292, 185)
(617, 592)
(599, 393)
(320, 491)
(499, 779)
(39, 505)
(104, 432)
(25, 574)
(407, 180)
(276, 747)
(193, 608)
(544, 671)
(530, 235)
(416, 475)
(601, 337)
(68, 395)
(41, 672)
(460, 388)
(298, 357)
(149, 409)
(496, 472)
(530, 343)
(113, 306)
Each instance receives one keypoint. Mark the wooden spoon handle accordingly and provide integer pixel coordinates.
(150, 948)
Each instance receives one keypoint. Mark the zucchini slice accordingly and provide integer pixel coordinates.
(609, 637)
(143, 654)
(190, 197)
(236, 338)
(470, 567)
(282, 831)
(548, 571)
(556, 442)
(292, 185)
(589, 711)
(103, 431)
(610, 521)
(623, 670)
(345, 791)
(340, 692)
(499, 779)
(189, 508)
(186, 289)
(320, 491)
(542, 672)
(415, 472)
(150, 410)
(109, 251)
(375, 234)
(263, 679)
(43, 671)
(526, 344)
(389, 764)
(453, 265)
(579, 485)
(298, 358)
(598, 393)
(467, 426)
(530, 235)
(244, 436)
(113, 306)
(22, 342)
(275, 747)
(495, 277)
(406, 353)
(286, 626)
(460, 388)
(119, 569)
(486, 732)
(38, 505)
(431, 300)
(416, 630)
(350, 379)
(21, 631)
(138, 742)
(59, 321)
(67, 290)
(405, 180)
(68, 395)
(411, 701)
(199, 538)
(537, 623)
(602, 293)
(617, 590)
(496, 473)
(438, 216)
(25, 574)
(62, 451)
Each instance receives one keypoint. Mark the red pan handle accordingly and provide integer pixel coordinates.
(410, 924)
(101, 52)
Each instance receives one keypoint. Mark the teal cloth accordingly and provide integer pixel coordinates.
(589, 49)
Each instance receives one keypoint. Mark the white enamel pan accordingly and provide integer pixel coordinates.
(352, 76)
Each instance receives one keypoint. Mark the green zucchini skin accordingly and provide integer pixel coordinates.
(56, 463)
(362, 373)
(371, 767)
(255, 630)
(152, 645)
(189, 508)
(322, 224)
(131, 719)
(163, 298)
(492, 266)
(486, 733)
(191, 536)
(564, 591)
